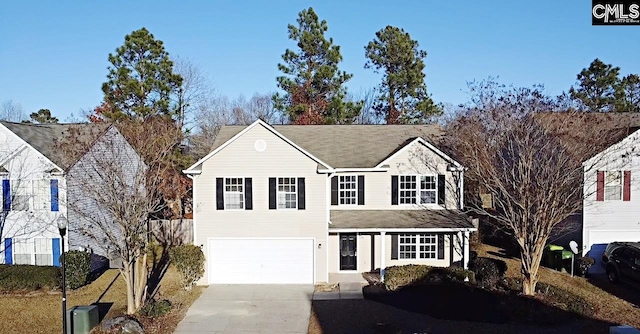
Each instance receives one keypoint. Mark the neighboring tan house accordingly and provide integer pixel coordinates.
(40, 182)
(611, 209)
(306, 204)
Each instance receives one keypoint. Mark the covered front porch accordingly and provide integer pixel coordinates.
(368, 240)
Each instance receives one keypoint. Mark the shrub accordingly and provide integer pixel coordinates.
(30, 278)
(450, 275)
(156, 308)
(399, 276)
(486, 272)
(189, 260)
(78, 266)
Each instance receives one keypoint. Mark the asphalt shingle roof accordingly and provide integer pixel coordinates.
(344, 146)
(47, 138)
(399, 219)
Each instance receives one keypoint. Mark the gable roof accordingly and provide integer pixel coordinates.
(346, 146)
(46, 138)
(590, 133)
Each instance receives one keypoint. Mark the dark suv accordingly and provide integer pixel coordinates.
(622, 261)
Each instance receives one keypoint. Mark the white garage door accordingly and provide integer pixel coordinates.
(261, 261)
(598, 241)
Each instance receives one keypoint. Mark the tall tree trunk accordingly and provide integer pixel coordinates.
(127, 275)
(530, 265)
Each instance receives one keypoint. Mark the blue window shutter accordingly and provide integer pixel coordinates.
(54, 195)
(8, 255)
(56, 251)
(6, 195)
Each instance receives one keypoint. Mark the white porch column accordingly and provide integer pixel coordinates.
(465, 249)
(383, 248)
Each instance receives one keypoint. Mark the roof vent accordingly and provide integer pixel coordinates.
(260, 145)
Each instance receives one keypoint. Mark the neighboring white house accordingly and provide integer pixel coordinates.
(611, 209)
(37, 176)
(299, 204)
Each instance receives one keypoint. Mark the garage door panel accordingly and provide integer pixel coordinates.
(261, 261)
(598, 241)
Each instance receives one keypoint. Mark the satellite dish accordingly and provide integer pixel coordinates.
(574, 246)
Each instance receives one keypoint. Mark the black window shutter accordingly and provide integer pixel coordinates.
(334, 190)
(441, 189)
(301, 195)
(272, 193)
(394, 189)
(440, 246)
(248, 194)
(220, 193)
(360, 189)
(394, 246)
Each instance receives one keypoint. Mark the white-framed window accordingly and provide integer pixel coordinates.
(30, 195)
(20, 195)
(287, 193)
(41, 195)
(428, 190)
(38, 251)
(43, 251)
(234, 193)
(22, 250)
(412, 191)
(348, 190)
(613, 185)
(422, 246)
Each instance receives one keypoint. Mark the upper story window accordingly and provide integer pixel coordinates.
(287, 193)
(30, 195)
(234, 193)
(613, 185)
(412, 191)
(348, 190)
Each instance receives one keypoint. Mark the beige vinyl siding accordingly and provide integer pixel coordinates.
(612, 215)
(415, 160)
(279, 159)
(364, 253)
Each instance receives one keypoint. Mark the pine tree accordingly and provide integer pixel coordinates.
(596, 87)
(312, 82)
(141, 81)
(628, 94)
(43, 116)
(402, 94)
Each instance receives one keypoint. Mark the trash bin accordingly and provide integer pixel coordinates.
(81, 319)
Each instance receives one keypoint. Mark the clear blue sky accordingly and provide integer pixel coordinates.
(53, 54)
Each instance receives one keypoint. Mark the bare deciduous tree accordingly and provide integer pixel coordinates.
(532, 172)
(116, 189)
(11, 112)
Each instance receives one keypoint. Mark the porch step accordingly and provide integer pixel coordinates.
(346, 290)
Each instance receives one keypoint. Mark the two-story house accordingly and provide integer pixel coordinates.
(611, 205)
(297, 204)
(43, 180)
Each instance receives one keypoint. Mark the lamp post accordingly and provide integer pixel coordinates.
(62, 227)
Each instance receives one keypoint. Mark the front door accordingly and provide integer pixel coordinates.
(348, 251)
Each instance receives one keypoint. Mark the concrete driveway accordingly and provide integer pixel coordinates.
(249, 309)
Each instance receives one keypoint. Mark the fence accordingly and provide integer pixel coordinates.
(172, 232)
